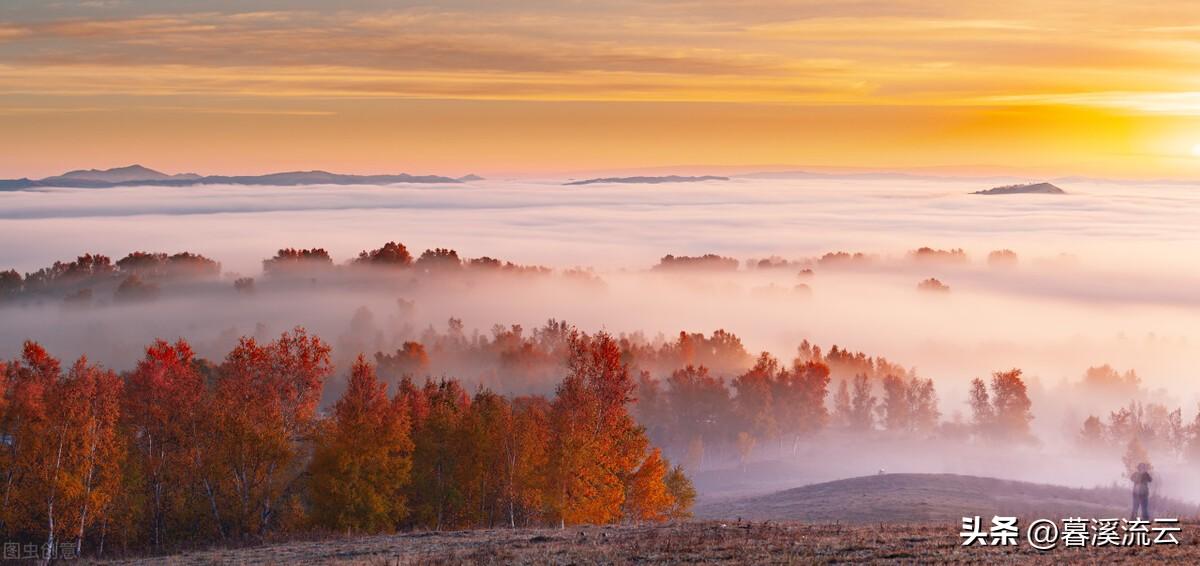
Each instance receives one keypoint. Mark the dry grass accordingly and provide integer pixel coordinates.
(707, 542)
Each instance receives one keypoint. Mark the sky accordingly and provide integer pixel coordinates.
(537, 87)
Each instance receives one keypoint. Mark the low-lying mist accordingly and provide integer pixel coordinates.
(1100, 276)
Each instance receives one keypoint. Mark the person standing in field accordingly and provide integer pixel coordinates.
(1141, 492)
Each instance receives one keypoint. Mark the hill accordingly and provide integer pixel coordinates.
(649, 180)
(929, 497)
(118, 175)
(142, 176)
(1027, 189)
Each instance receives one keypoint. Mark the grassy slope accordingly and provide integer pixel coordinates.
(926, 497)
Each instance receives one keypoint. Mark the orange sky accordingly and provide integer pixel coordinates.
(531, 86)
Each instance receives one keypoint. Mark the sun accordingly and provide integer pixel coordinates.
(1196, 150)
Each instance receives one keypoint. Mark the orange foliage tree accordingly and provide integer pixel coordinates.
(361, 463)
(647, 497)
(164, 409)
(264, 414)
(596, 444)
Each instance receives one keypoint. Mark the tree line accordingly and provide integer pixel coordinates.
(140, 275)
(181, 451)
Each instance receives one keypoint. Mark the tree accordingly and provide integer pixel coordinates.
(437, 496)
(31, 383)
(647, 497)
(62, 468)
(695, 409)
(803, 391)
(486, 430)
(754, 401)
(264, 416)
(682, 492)
(745, 447)
(292, 261)
(1004, 411)
(392, 254)
(1011, 404)
(163, 410)
(96, 478)
(361, 464)
(841, 404)
(862, 404)
(982, 415)
(409, 360)
(894, 410)
(596, 444)
(10, 284)
(527, 460)
(1092, 435)
(439, 259)
(922, 405)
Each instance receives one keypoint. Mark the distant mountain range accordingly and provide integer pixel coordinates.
(649, 180)
(1027, 189)
(139, 175)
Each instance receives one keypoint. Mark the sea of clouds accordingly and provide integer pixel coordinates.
(1106, 272)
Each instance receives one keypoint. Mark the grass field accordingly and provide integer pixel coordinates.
(707, 542)
(907, 518)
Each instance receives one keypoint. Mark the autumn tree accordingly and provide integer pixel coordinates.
(894, 409)
(596, 444)
(361, 463)
(862, 404)
(164, 411)
(392, 254)
(754, 401)
(1011, 404)
(526, 449)
(696, 407)
(89, 401)
(1004, 411)
(265, 415)
(292, 261)
(800, 398)
(841, 404)
(438, 260)
(27, 429)
(983, 417)
(487, 430)
(10, 284)
(62, 468)
(647, 497)
(922, 405)
(408, 360)
(1091, 436)
(745, 447)
(683, 493)
(436, 494)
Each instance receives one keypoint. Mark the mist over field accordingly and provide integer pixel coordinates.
(1102, 276)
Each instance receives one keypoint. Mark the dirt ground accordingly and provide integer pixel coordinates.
(708, 542)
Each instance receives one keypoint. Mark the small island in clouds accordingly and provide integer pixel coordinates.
(1024, 189)
(648, 180)
(138, 175)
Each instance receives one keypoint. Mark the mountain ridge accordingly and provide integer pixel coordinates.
(1024, 189)
(649, 180)
(138, 175)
